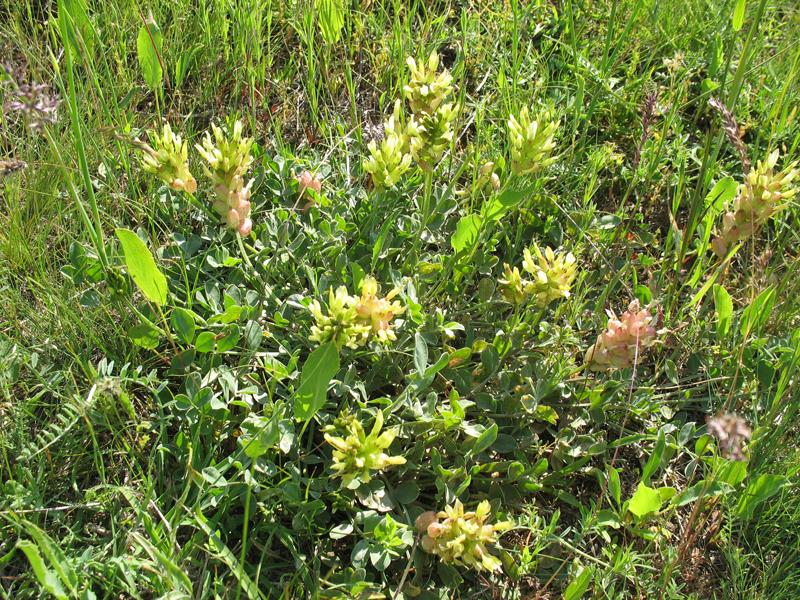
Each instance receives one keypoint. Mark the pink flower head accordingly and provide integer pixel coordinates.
(307, 181)
(246, 227)
(623, 341)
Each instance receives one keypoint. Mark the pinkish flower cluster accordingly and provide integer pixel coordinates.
(623, 341)
(307, 181)
(229, 159)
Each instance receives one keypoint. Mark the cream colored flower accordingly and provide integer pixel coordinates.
(357, 455)
(532, 142)
(763, 194)
(462, 537)
(377, 311)
(553, 274)
(427, 89)
(340, 324)
(389, 160)
(228, 159)
(167, 159)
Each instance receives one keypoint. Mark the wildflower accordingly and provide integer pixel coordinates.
(392, 158)
(228, 160)
(358, 455)
(307, 181)
(462, 537)
(341, 325)
(763, 194)
(378, 312)
(731, 432)
(431, 135)
(167, 159)
(34, 101)
(552, 274)
(430, 130)
(488, 175)
(511, 285)
(427, 89)
(532, 142)
(623, 340)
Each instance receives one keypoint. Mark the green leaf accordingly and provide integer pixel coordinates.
(145, 335)
(762, 488)
(702, 489)
(721, 194)
(614, 485)
(497, 207)
(331, 19)
(406, 492)
(183, 323)
(466, 233)
(738, 14)
(420, 354)
(655, 458)
(320, 366)
(645, 500)
(47, 579)
(80, 32)
(724, 307)
(229, 339)
(148, 48)
(578, 586)
(260, 434)
(205, 342)
(142, 267)
(485, 439)
(756, 314)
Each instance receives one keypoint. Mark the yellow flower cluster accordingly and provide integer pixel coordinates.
(462, 537)
(357, 455)
(763, 194)
(431, 126)
(389, 161)
(426, 135)
(350, 321)
(168, 160)
(531, 141)
(552, 277)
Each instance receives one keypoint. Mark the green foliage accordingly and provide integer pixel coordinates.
(232, 408)
(149, 49)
